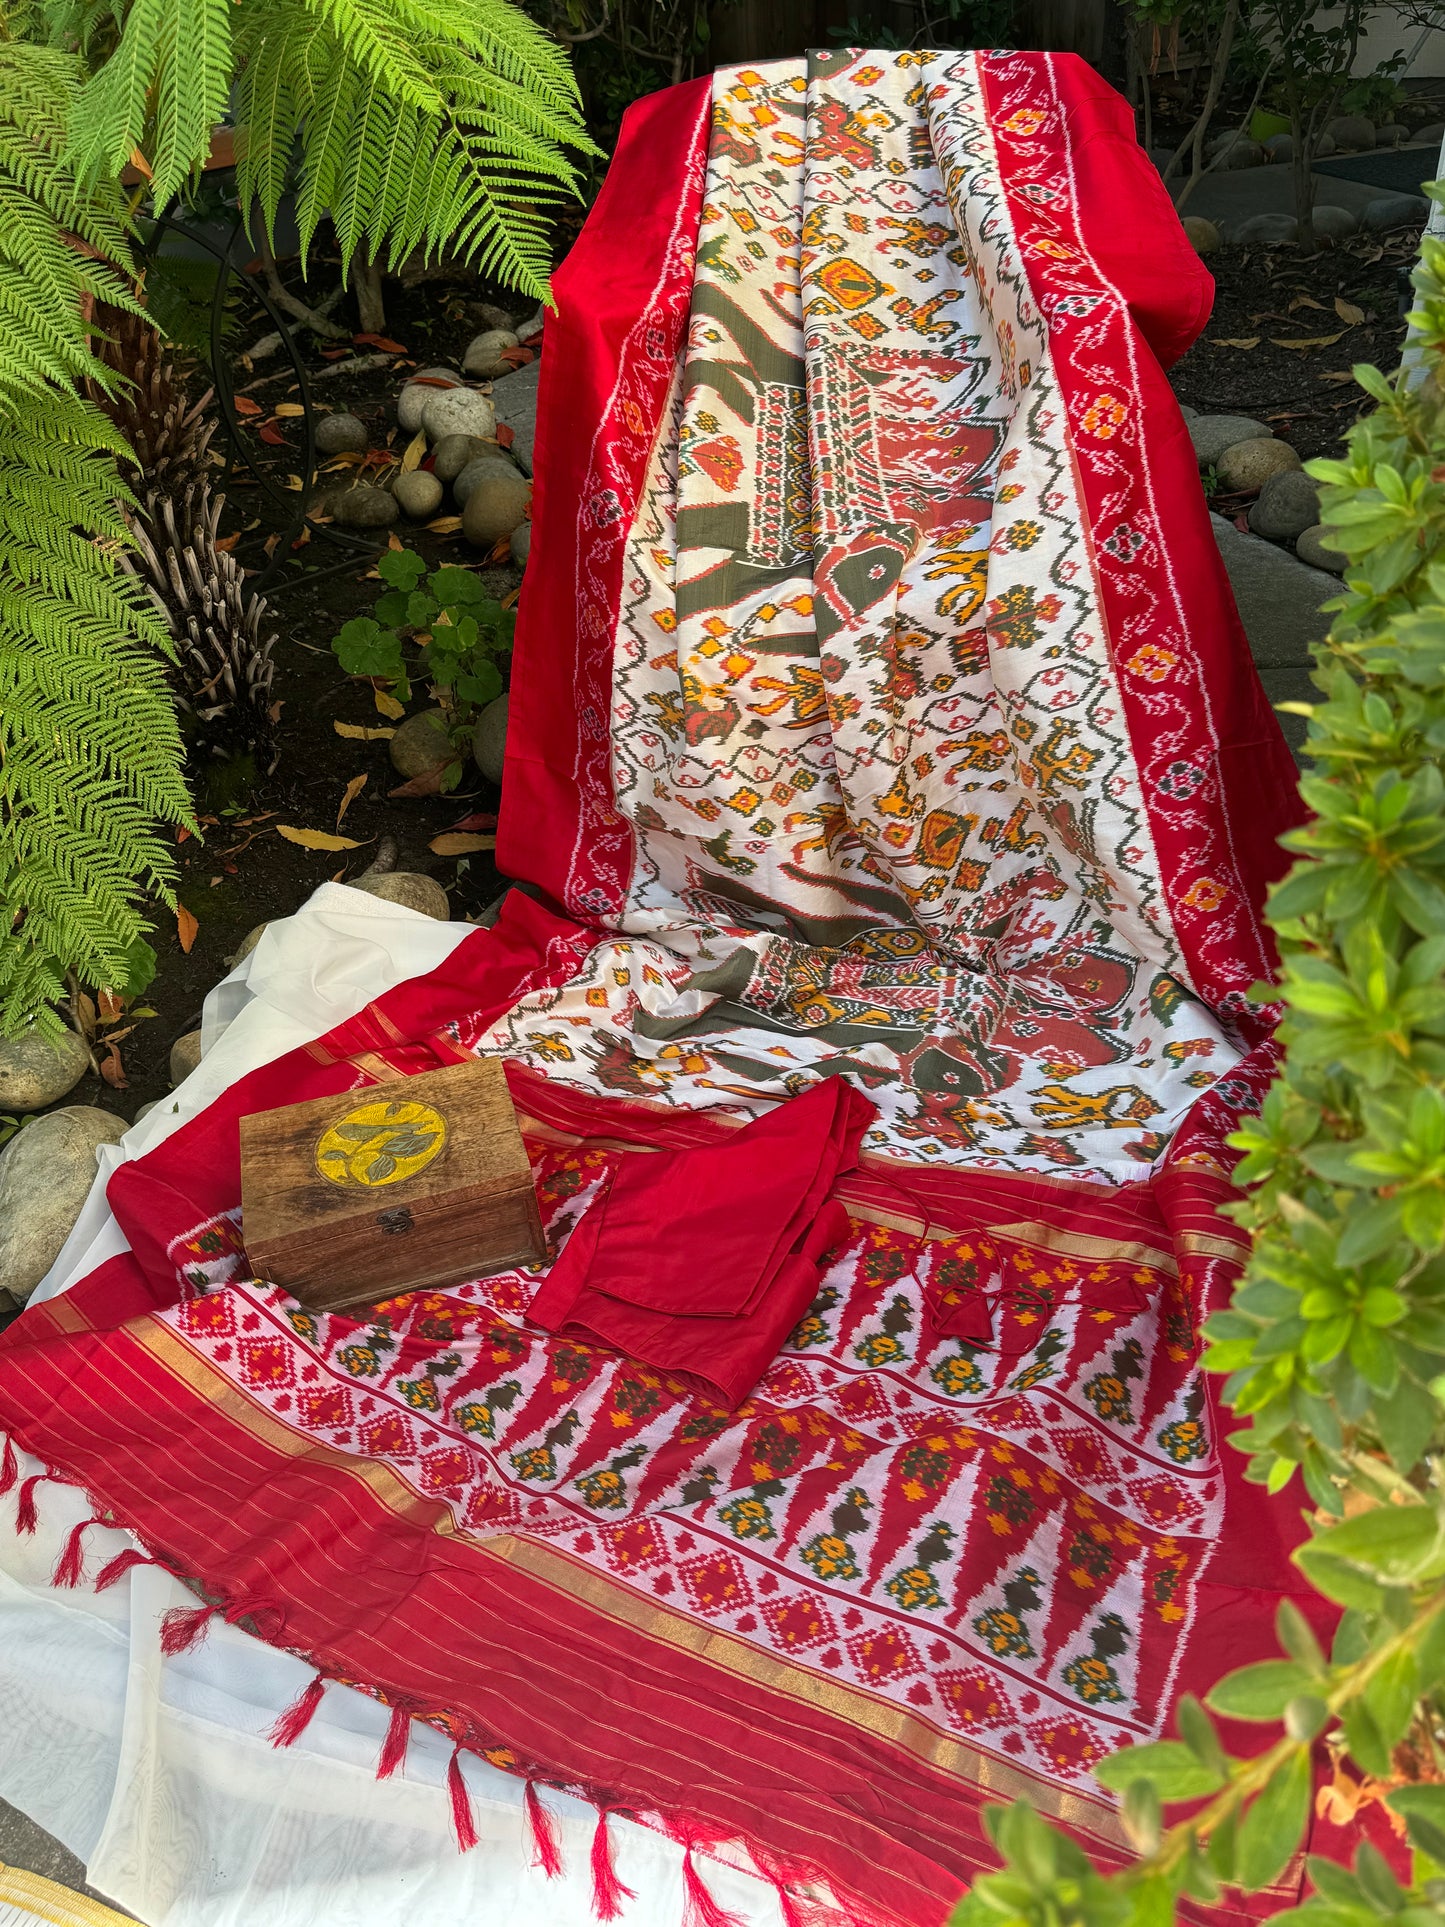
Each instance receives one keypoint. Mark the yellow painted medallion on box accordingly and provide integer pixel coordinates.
(380, 1144)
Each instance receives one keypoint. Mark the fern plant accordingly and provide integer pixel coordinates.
(410, 124)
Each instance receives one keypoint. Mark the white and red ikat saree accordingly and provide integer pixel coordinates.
(879, 712)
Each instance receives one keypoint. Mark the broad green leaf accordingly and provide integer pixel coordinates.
(1274, 1824)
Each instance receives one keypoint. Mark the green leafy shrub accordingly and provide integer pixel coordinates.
(443, 629)
(1334, 1343)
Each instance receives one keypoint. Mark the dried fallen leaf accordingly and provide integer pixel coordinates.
(1235, 341)
(381, 342)
(294, 483)
(110, 1006)
(271, 434)
(1348, 312)
(394, 541)
(504, 436)
(388, 705)
(315, 839)
(1309, 341)
(360, 734)
(113, 1071)
(415, 450)
(452, 844)
(227, 542)
(353, 790)
(85, 1015)
(186, 928)
(478, 820)
(445, 525)
(334, 354)
(288, 408)
(244, 405)
(1337, 375)
(429, 783)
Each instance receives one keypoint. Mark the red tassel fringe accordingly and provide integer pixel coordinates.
(608, 1892)
(184, 1627)
(70, 1566)
(26, 1518)
(393, 1747)
(546, 1853)
(123, 1563)
(297, 1717)
(702, 1910)
(463, 1822)
(9, 1468)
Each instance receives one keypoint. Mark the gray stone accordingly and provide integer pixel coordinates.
(409, 888)
(1203, 236)
(526, 330)
(185, 1055)
(458, 411)
(1237, 149)
(1333, 223)
(420, 744)
(1289, 503)
(496, 504)
(490, 315)
(1249, 465)
(1392, 211)
(1432, 133)
(363, 507)
(453, 452)
(1391, 135)
(46, 1171)
(489, 739)
(484, 354)
(35, 1072)
(1265, 230)
(145, 1110)
(1212, 434)
(336, 434)
(1278, 598)
(520, 546)
(418, 392)
(1189, 414)
(1324, 147)
(1351, 130)
(418, 494)
(515, 401)
(248, 944)
(1280, 147)
(475, 471)
(1313, 548)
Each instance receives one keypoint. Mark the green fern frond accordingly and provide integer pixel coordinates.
(162, 90)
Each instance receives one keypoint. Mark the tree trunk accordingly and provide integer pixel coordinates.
(370, 305)
(1193, 142)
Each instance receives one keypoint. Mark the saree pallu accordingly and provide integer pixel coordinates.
(879, 711)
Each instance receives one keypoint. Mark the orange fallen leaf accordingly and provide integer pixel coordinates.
(228, 542)
(504, 436)
(186, 928)
(353, 790)
(381, 342)
(244, 405)
(429, 783)
(359, 733)
(272, 435)
(113, 1071)
(459, 844)
(315, 839)
(110, 1006)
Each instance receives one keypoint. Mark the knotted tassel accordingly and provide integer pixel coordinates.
(9, 1468)
(123, 1563)
(393, 1747)
(71, 1563)
(702, 1909)
(297, 1717)
(184, 1627)
(608, 1892)
(26, 1517)
(546, 1852)
(463, 1822)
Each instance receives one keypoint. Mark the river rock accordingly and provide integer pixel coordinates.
(1351, 130)
(409, 888)
(484, 354)
(1392, 211)
(1333, 223)
(34, 1071)
(1313, 549)
(1432, 133)
(1280, 147)
(495, 463)
(1249, 465)
(185, 1055)
(418, 494)
(489, 739)
(1212, 434)
(1265, 230)
(363, 507)
(420, 744)
(1392, 134)
(1289, 503)
(418, 392)
(46, 1172)
(1324, 147)
(453, 452)
(1278, 598)
(458, 411)
(520, 546)
(1203, 236)
(336, 434)
(248, 944)
(1237, 149)
(496, 504)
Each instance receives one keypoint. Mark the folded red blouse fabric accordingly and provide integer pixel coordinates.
(760, 1205)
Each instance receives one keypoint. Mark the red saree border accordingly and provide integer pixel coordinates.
(1092, 219)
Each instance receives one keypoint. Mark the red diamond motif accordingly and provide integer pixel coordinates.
(798, 1623)
(884, 1654)
(717, 1583)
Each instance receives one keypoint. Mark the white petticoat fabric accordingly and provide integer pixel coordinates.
(157, 1772)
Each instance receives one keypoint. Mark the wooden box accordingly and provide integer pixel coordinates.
(403, 1186)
